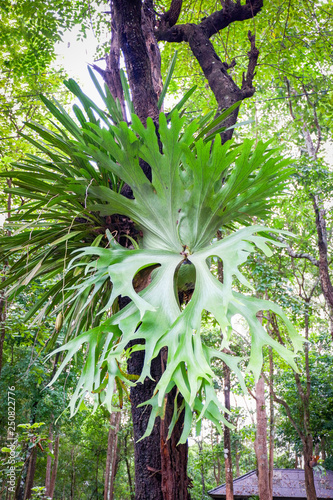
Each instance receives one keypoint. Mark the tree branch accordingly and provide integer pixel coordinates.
(292, 114)
(315, 119)
(231, 12)
(169, 18)
(247, 87)
(287, 408)
(298, 255)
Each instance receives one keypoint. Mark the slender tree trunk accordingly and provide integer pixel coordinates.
(55, 466)
(217, 461)
(261, 442)
(96, 474)
(130, 482)
(324, 274)
(305, 396)
(49, 462)
(271, 422)
(237, 460)
(127, 454)
(304, 431)
(111, 457)
(3, 309)
(226, 437)
(202, 472)
(323, 447)
(72, 475)
(312, 150)
(30, 474)
(3, 301)
(308, 471)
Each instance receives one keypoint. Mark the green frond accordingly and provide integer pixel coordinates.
(76, 231)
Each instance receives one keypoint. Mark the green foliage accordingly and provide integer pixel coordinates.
(197, 187)
(38, 492)
(29, 30)
(321, 400)
(28, 437)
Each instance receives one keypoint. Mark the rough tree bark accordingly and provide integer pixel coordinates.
(160, 465)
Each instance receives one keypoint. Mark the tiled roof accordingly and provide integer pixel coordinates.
(287, 483)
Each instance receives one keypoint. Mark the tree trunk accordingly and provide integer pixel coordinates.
(237, 461)
(72, 475)
(305, 396)
(312, 150)
(112, 73)
(128, 16)
(130, 483)
(308, 471)
(3, 300)
(217, 461)
(111, 457)
(202, 472)
(226, 437)
(147, 453)
(271, 422)
(55, 466)
(3, 308)
(49, 462)
(30, 474)
(261, 442)
(160, 465)
(324, 274)
(175, 481)
(323, 447)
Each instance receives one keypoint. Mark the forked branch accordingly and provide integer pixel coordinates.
(247, 84)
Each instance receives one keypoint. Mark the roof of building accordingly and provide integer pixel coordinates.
(287, 483)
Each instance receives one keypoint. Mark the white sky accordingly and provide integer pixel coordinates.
(74, 56)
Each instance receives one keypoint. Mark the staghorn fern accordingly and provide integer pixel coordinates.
(197, 188)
